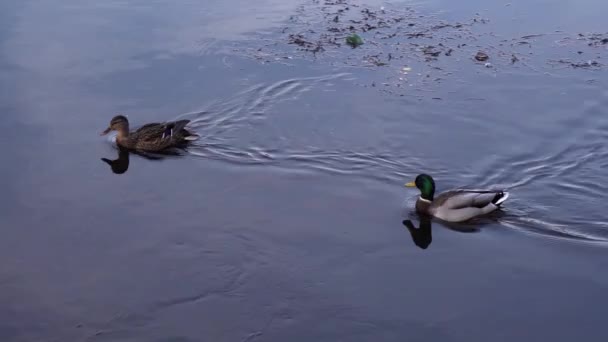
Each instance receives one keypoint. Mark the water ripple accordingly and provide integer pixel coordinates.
(366, 165)
(564, 165)
(246, 108)
(569, 167)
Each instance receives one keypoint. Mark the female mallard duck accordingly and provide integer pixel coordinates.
(455, 205)
(153, 137)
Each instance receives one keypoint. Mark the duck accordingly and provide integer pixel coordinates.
(152, 137)
(455, 205)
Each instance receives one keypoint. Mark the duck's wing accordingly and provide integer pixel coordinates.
(456, 199)
(149, 126)
(162, 131)
(150, 131)
(461, 205)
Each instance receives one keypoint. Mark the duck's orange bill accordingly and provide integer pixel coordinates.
(411, 185)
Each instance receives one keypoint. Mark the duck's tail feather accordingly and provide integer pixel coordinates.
(188, 134)
(176, 129)
(179, 125)
(500, 198)
(191, 136)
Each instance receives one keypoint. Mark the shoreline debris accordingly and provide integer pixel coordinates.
(482, 56)
(354, 40)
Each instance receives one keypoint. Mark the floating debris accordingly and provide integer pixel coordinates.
(587, 64)
(595, 39)
(298, 39)
(482, 56)
(375, 60)
(431, 51)
(577, 65)
(530, 36)
(354, 40)
(401, 35)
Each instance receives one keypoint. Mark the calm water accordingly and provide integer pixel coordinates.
(285, 223)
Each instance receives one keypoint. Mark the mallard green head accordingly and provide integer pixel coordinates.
(426, 184)
(118, 123)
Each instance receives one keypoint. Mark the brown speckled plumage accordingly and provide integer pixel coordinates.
(152, 137)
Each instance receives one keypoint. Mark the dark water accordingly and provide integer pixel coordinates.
(285, 223)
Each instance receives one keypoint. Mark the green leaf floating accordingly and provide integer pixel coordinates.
(354, 40)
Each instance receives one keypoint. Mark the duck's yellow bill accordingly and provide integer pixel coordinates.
(411, 185)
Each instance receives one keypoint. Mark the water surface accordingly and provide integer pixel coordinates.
(285, 222)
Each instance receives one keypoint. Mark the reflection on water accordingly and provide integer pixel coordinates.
(119, 165)
(423, 235)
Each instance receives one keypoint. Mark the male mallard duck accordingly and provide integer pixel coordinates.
(153, 137)
(455, 205)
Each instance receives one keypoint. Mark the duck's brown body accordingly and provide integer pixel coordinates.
(153, 137)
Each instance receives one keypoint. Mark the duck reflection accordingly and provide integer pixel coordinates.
(121, 164)
(423, 234)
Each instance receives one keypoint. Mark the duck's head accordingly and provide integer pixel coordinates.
(426, 184)
(118, 123)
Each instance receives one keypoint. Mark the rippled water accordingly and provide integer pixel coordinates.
(285, 220)
(505, 167)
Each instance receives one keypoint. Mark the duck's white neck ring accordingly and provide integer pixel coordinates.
(423, 199)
